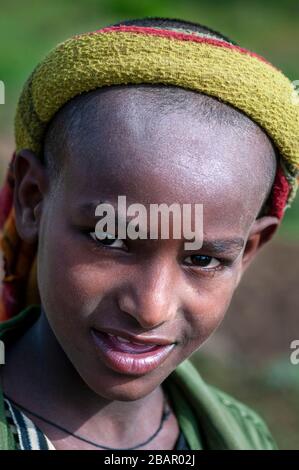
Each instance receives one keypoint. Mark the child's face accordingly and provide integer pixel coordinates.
(151, 288)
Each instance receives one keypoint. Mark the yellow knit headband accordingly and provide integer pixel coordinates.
(133, 54)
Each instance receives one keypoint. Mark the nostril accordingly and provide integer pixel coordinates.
(127, 304)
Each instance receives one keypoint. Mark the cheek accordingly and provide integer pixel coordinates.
(71, 275)
(71, 278)
(207, 307)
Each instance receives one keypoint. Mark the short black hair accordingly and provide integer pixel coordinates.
(173, 23)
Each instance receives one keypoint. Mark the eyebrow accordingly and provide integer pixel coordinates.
(215, 246)
(226, 245)
(88, 209)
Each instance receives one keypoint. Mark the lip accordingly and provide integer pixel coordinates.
(153, 340)
(129, 358)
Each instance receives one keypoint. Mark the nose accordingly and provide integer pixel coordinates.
(150, 296)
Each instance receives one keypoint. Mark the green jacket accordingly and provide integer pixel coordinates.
(209, 418)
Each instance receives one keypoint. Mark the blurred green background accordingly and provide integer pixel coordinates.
(249, 355)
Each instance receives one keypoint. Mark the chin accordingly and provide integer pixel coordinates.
(120, 387)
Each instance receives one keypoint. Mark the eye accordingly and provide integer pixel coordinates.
(203, 261)
(108, 241)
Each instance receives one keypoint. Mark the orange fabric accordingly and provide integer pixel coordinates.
(19, 282)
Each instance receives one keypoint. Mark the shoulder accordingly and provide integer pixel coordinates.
(251, 425)
(224, 422)
(7, 441)
(10, 331)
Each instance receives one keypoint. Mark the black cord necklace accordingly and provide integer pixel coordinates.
(165, 415)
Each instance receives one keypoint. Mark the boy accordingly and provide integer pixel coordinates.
(163, 112)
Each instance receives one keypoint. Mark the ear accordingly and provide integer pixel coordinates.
(260, 233)
(31, 184)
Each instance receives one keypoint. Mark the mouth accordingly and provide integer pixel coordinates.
(129, 357)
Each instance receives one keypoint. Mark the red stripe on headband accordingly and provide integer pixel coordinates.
(177, 35)
(279, 195)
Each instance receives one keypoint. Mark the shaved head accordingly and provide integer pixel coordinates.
(125, 107)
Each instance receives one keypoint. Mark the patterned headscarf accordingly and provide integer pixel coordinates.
(120, 55)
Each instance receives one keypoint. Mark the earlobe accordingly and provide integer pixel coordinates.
(260, 233)
(29, 190)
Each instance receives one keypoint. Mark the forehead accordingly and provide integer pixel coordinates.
(131, 143)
